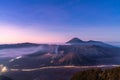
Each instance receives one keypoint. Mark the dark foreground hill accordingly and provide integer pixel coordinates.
(5, 78)
(98, 74)
(65, 73)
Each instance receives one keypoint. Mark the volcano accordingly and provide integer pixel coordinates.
(75, 41)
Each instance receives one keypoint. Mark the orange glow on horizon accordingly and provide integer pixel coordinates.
(11, 34)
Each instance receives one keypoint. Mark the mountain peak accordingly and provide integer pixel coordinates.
(75, 40)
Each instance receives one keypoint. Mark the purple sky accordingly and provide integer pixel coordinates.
(56, 21)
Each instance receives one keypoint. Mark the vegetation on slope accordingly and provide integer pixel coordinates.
(98, 74)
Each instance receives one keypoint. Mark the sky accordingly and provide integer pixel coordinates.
(57, 21)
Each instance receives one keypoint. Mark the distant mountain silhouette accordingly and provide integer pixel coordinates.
(18, 45)
(99, 43)
(75, 40)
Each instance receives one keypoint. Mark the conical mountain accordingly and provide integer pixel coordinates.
(75, 40)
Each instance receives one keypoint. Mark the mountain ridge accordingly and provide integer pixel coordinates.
(86, 53)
